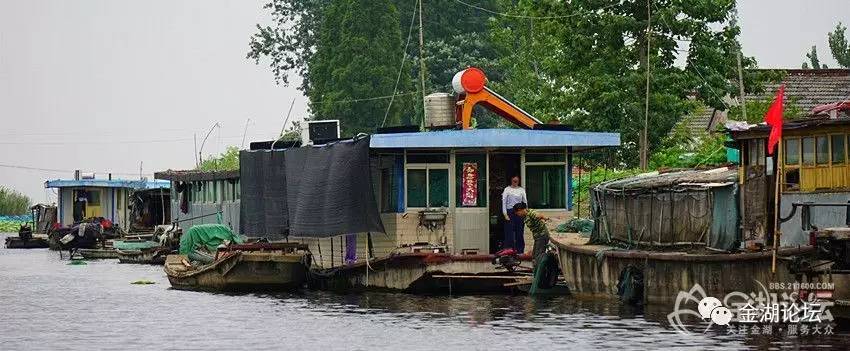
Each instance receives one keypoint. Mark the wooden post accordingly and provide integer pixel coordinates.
(776, 232)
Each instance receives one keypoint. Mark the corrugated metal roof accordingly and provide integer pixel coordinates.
(494, 138)
(195, 175)
(108, 183)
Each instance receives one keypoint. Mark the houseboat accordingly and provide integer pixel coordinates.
(116, 205)
(203, 197)
(88, 197)
(415, 211)
(664, 233)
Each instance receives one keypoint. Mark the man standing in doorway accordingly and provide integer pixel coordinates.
(514, 229)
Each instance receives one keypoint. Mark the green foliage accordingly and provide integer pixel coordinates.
(228, 160)
(588, 70)
(681, 150)
(348, 50)
(813, 58)
(13, 203)
(758, 107)
(839, 46)
(358, 56)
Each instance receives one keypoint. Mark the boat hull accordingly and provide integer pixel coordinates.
(14, 242)
(148, 256)
(594, 271)
(240, 271)
(424, 273)
(98, 254)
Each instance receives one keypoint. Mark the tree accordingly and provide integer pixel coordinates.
(456, 37)
(358, 55)
(813, 58)
(584, 62)
(13, 203)
(839, 46)
(227, 161)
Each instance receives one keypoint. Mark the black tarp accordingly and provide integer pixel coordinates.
(262, 210)
(314, 191)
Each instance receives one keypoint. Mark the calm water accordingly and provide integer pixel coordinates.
(48, 304)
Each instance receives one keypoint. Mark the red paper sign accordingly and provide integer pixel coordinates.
(469, 184)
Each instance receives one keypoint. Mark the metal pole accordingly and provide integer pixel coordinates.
(422, 64)
(244, 133)
(644, 152)
(195, 141)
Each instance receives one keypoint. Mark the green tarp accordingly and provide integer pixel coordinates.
(207, 235)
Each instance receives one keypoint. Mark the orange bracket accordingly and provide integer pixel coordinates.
(496, 103)
(470, 84)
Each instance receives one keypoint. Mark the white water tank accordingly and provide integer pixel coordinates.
(439, 110)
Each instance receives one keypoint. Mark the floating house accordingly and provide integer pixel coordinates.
(410, 210)
(201, 197)
(89, 197)
(665, 233)
(814, 168)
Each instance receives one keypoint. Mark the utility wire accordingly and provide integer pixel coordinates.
(504, 14)
(401, 66)
(64, 170)
(362, 99)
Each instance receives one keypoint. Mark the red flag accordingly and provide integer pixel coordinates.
(773, 117)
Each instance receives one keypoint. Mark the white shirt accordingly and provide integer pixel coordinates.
(512, 196)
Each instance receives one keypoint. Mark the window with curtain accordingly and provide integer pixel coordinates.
(808, 151)
(822, 150)
(838, 149)
(428, 187)
(546, 186)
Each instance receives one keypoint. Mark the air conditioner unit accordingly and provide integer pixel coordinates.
(319, 132)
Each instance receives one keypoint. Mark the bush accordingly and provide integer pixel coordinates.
(13, 203)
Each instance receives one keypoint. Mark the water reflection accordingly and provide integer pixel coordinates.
(48, 304)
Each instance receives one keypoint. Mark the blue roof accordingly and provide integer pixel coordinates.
(490, 138)
(109, 183)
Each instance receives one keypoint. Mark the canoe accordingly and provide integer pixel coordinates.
(98, 254)
(144, 256)
(245, 267)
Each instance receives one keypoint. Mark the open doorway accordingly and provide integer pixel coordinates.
(503, 166)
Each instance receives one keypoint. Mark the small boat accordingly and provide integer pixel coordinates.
(235, 267)
(154, 255)
(98, 254)
(26, 239)
(152, 250)
(15, 242)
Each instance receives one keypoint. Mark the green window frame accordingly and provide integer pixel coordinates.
(546, 186)
(427, 187)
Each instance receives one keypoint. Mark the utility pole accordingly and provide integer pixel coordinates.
(644, 148)
(422, 64)
(740, 70)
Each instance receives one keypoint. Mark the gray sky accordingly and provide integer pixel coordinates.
(89, 84)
